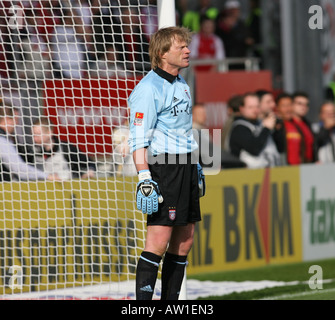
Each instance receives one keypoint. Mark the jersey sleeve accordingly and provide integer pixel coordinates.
(143, 116)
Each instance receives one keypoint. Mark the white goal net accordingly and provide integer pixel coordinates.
(68, 224)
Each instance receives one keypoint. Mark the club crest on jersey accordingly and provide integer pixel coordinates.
(188, 95)
(138, 119)
(172, 214)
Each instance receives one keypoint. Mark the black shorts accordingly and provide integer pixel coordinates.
(178, 183)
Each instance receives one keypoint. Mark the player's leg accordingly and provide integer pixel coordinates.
(157, 240)
(181, 239)
(175, 261)
(188, 212)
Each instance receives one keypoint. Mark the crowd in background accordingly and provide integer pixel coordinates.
(264, 131)
(76, 39)
(70, 38)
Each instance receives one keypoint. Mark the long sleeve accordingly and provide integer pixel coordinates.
(143, 116)
(220, 53)
(12, 160)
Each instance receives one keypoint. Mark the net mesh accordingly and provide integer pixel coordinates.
(68, 224)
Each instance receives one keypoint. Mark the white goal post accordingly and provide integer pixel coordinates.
(68, 224)
(166, 13)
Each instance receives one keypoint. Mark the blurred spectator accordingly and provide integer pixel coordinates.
(22, 140)
(48, 15)
(191, 18)
(300, 110)
(181, 9)
(324, 131)
(267, 103)
(83, 8)
(254, 25)
(13, 167)
(107, 66)
(330, 90)
(134, 45)
(149, 18)
(4, 69)
(233, 109)
(33, 66)
(35, 61)
(233, 31)
(68, 52)
(250, 138)
(84, 12)
(210, 154)
(82, 17)
(293, 138)
(268, 107)
(6, 43)
(105, 31)
(206, 45)
(54, 156)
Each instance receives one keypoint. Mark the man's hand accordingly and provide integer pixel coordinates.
(270, 121)
(90, 174)
(201, 181)
(147, 193)
(54, 177)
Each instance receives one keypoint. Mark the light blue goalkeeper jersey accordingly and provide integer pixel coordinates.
(161, 115)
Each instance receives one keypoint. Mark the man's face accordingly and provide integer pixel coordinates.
(177, 57)
(208, 27)
(285, 108)
(267, 104)
(251, 109)
(9, 123)
(300, 106)
(327, 112)
(42, 136)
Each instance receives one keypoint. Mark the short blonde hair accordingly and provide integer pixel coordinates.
(161, 42)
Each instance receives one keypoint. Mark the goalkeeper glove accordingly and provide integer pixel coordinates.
(201, 181)
(147, 193)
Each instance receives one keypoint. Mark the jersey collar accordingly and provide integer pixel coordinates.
(165, 75)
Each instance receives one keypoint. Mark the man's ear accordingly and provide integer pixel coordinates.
(163, 56)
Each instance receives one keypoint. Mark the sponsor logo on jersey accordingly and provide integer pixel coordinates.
(138, 119)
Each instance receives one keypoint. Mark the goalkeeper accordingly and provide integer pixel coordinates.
(170, 180)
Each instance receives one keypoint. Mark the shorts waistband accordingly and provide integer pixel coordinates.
(167, 158)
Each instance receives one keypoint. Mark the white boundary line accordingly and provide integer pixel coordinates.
(299, 294)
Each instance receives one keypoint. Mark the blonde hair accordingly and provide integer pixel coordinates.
(161, 42)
